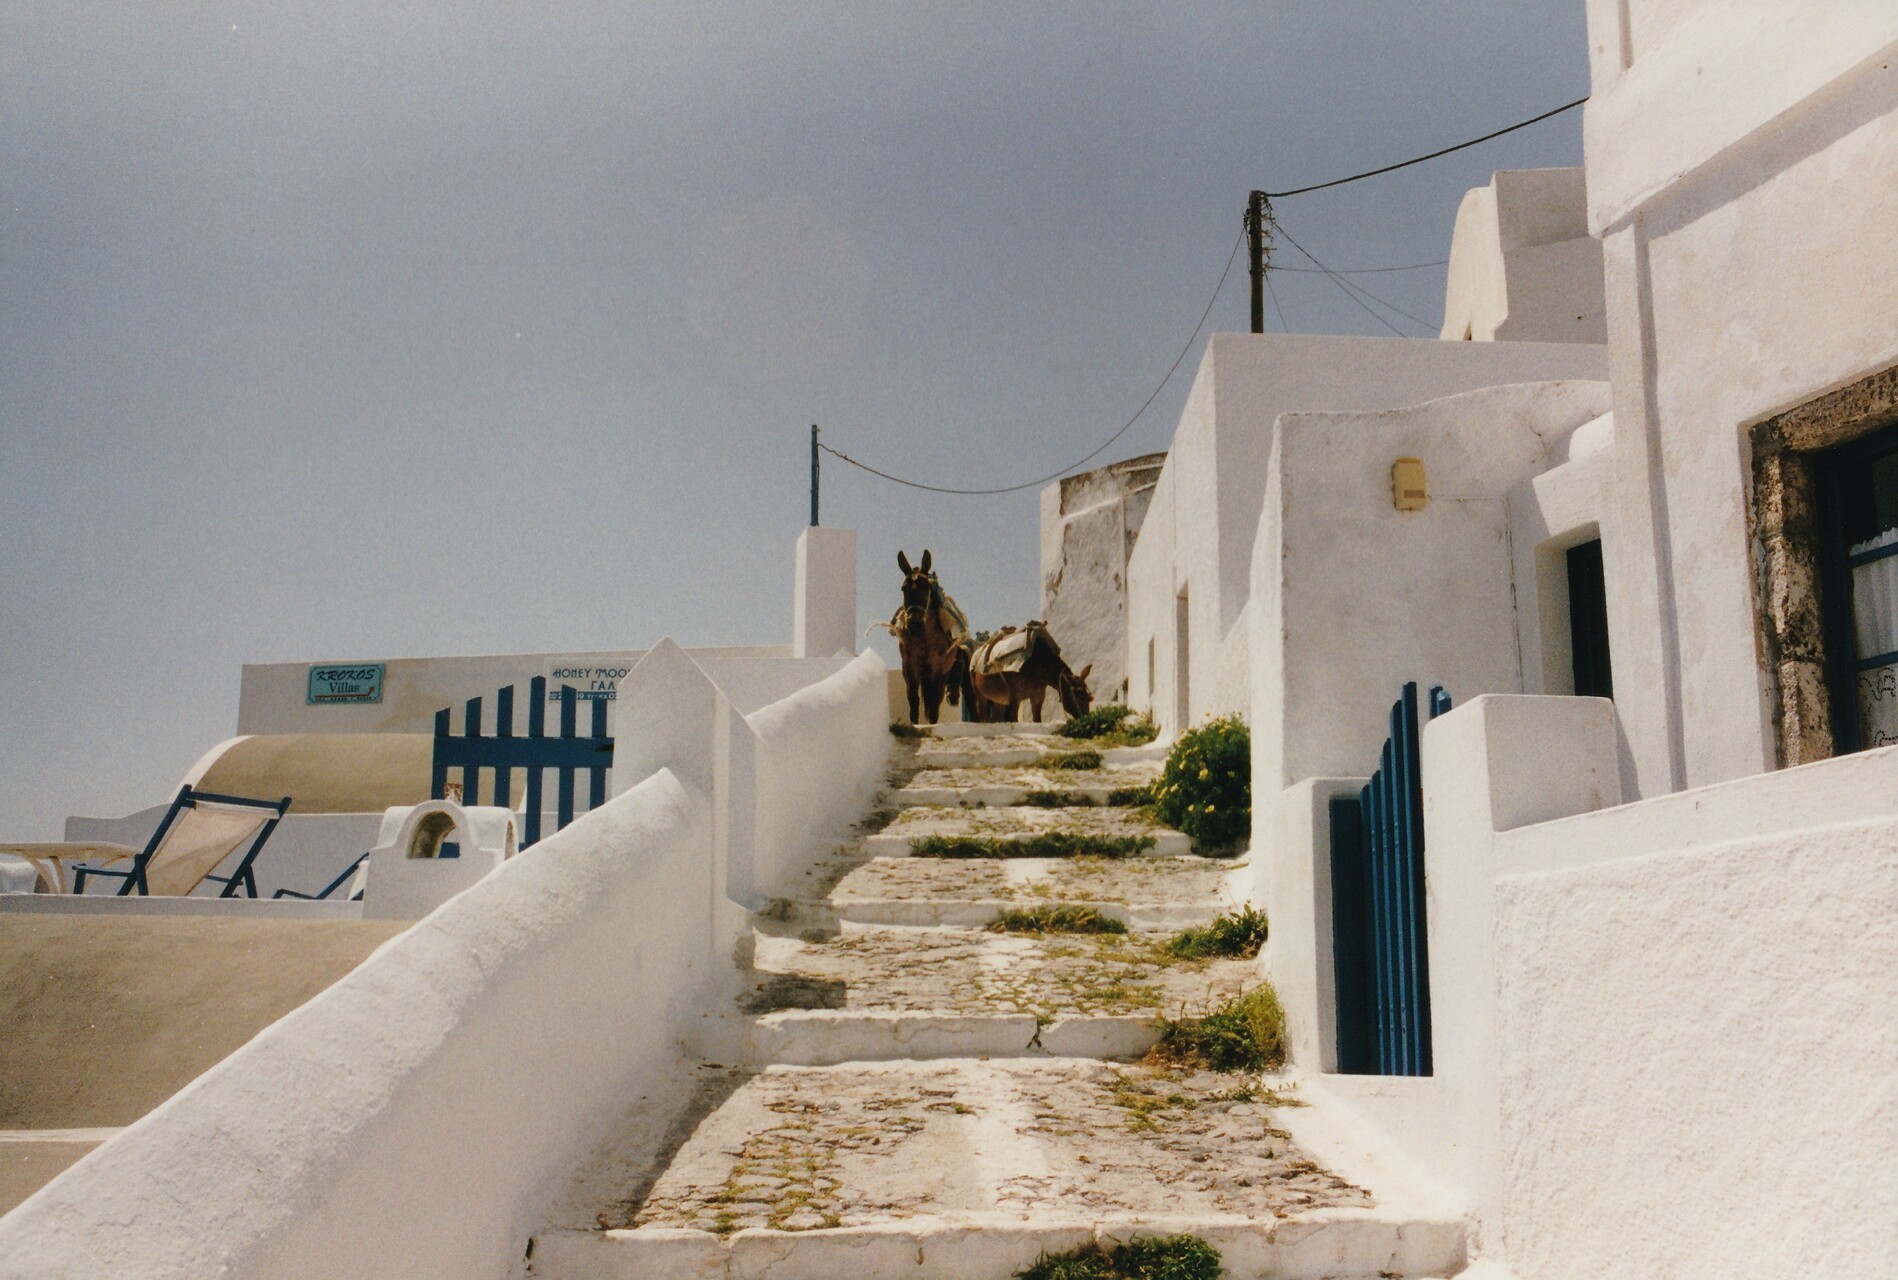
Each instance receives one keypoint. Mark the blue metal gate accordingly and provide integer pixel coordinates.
(502, 752)
(1380, 952)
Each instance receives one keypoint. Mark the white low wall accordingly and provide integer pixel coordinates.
(1663, 1031)
(416, 1117)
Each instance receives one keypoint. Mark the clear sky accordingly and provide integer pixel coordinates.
(342, 331)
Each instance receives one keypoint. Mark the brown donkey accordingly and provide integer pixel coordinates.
(932, 635)
(1014, 667)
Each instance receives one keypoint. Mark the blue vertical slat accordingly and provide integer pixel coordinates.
(536, 728)
(504, 728)
(596, 776)
(565, 773)
(1404, 754)
(438, 767)
(471, 773)
(1419, 951)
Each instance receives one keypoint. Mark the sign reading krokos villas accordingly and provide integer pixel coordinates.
(346, 682)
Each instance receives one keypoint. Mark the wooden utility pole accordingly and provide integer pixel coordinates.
(1259, 253)
(813, 475)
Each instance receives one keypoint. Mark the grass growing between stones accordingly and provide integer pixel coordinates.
(898, 729)
(1049, 844)
(1055, 918)
(1085, 759)
(1147, 1258)
(1245, 1034)
(1057, 800)
(1238, 934)
(1131, 797)
(1111, 726)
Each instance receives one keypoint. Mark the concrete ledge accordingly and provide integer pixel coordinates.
(1328, 1245)
(67, 904)
(31, 1158)
(826, 1037)
(832, 1037)
(1100, 1037)
(989, 795)
(1166, 844)
(964, 729)
(970, 913)
(971, 758)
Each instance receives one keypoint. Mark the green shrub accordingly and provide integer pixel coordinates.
(1111, 726)
(1088, 759)
(1246, 1034)
(1147, 1258)
(1056, 800)
(1205, 789)
(1237, 933)
(1056, 918)
(1050, 844)
(1092, 724)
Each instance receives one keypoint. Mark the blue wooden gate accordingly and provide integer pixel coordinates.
(567, 754)
(1380, 951)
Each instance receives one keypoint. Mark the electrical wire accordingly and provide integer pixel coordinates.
(1405, 164)
(1364, 271)
(1352, 290)
(1283, 327)
(1104, 445)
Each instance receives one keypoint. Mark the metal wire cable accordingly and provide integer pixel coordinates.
(1104, 445)
(1405, 164)
(1364, 271)
(1352, 290)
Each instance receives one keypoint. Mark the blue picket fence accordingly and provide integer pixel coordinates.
(567, 754)
(1380, 948)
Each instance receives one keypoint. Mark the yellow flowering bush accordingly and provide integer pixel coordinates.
(1205, 789)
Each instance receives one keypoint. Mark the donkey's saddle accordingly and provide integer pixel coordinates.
(1008, 650)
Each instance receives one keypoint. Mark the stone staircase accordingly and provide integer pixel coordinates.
(926, 1098)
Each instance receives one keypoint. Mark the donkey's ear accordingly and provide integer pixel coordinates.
(902, 561)
(1081, 675)
(925, 559)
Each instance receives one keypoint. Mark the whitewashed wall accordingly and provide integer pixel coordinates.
(1662, 1031)
(1199, 532)
(1743, 176)
(416, 1117)
(1523, 267)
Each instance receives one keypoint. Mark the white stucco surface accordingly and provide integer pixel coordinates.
(1662, 1031)
(274, 697)
(1743, 173)
(824, 604)
(1089, 524)
(1198, 535)
(1696, 1046)
(415, 1118)
(1353, 597)
(1523, 267)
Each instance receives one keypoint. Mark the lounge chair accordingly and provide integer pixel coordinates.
(353, 875)
(197, 833)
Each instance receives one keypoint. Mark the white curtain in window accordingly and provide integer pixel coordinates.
(1875, 599)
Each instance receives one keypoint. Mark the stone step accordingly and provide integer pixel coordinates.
(954, 974)
(968, 729)
(830, 1037)
(1021, 823)
(971, 1169)
(1150, 893)
(1014, 750)
(1001, 788)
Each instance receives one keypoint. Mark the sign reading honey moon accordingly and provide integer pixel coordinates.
(346, 682)
(593, 682)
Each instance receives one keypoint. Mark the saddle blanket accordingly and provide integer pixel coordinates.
(1008, 650)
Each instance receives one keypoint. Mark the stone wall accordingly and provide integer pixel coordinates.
(1088, 526)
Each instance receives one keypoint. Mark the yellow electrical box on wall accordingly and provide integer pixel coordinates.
(1408, 491)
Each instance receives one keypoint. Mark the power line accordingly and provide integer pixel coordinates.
(1405, 164)
(1275, 303)
(1364, 271)
(1105, 444)
(1353, 290)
